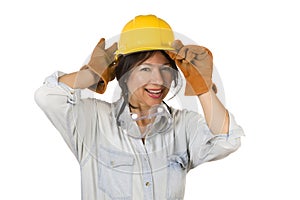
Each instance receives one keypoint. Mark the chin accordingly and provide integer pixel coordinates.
(153, 102)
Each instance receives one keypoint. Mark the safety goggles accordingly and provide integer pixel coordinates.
(159, 122)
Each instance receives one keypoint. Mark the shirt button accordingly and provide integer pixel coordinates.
(147, 184)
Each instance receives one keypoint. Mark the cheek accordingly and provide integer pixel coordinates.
(167, 80)
(135, 82)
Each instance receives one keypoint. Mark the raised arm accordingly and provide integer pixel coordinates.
(60, 99)
(80, 80)
(196, 63)
(99, 70)
(216, 115)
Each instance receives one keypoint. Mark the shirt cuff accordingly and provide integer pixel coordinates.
(235, 131)
(52, 82)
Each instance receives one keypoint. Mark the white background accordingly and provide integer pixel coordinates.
(256, 50)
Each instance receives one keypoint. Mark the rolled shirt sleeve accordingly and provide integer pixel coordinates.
(67, 112)
(205, 146)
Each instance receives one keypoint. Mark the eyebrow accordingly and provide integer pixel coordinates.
(150, 64)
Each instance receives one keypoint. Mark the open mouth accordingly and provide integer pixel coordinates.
(154, 93)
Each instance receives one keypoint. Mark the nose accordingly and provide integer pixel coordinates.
(157, 77)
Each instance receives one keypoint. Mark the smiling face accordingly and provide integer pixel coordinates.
(149, 83)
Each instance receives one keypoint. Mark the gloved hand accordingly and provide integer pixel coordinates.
(103, 64)
(196, 64)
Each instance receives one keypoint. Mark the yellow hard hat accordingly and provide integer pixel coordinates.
(143, 33)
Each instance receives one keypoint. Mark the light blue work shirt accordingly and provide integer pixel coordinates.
(116, 166)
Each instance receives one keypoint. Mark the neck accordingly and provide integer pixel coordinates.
(140, 111)
(138, 108)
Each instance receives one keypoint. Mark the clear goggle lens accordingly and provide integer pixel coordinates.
(159, 122)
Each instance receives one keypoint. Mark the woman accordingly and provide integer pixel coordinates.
(138, 147)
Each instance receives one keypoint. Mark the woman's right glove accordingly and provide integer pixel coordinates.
(196, 64)
(103, 64)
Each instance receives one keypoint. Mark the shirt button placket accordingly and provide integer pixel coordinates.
(148, 186)
(147, 177)
(146, 170)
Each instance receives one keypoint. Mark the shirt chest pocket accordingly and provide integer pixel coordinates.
(115, 171)
(177, 170)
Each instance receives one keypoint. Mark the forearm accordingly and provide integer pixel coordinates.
(80, 80)
(215, 113)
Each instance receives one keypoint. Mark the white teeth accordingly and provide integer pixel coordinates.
(154, 91)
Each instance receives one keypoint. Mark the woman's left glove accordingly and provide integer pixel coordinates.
(196, 64)
(103, 64)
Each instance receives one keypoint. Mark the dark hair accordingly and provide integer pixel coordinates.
(128, 62)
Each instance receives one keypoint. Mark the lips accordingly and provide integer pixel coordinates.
(154, 93)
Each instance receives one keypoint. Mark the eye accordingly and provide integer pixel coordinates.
(166, 68)
(145, 69)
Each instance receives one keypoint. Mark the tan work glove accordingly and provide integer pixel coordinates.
(103, 64)
(196, 64)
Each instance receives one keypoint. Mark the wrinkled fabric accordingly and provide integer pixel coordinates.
(116, 166)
